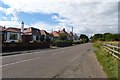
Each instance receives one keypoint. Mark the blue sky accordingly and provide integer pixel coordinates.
(97, 16)
(36, 17)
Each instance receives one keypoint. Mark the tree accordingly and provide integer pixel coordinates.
(63, 36)
(97, 37)
(106, 37)
(84, 38)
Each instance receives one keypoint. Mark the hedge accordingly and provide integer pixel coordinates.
(62, 43)
(8, 47)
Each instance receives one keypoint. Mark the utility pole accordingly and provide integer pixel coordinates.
(72, 34)
(72, 29)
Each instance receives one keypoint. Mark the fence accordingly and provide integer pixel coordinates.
(112, 48)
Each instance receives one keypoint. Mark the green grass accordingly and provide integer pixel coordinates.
(109, 63)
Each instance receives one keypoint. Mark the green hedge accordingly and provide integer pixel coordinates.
(62, 43)
(8, 47)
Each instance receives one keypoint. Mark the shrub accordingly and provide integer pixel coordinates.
(8, 47)
(62, 43)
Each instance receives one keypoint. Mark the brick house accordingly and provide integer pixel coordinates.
(31, 34)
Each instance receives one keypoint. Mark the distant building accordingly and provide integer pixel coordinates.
(47, 36)
(55, 35)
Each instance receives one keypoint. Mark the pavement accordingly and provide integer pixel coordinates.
(52, 63)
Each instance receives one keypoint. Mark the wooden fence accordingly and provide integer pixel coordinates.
(112, 48)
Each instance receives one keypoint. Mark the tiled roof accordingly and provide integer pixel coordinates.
(11, 29)
(32, 31)
(43, 32)
(55, 34)
(63, 31)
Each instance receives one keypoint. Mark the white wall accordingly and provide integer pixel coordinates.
(8, 37)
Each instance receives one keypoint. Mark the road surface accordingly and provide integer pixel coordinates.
(47, 63)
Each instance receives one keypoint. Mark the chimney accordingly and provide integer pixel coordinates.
(22, 27)
(63, 29)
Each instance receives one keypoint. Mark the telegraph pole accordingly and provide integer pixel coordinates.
(72, 29)
(72, 34)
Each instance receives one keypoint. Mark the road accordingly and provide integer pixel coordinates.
(45, 64)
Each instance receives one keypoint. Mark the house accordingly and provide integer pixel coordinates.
(12, 34)
(31, 34)
(55, 35)
(46, 35)
(63, 31)
(71, 36)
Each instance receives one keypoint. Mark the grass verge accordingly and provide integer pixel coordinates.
(109, 63)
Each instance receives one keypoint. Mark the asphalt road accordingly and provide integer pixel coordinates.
(44, 64)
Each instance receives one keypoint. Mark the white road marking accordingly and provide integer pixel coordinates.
(57, 53)
(19, 62)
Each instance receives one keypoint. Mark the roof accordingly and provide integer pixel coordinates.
(32, 31)
(11, 29)
(63, 31)
(55, 34)
(43, 32)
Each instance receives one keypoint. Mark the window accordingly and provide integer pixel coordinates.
(13, 36)
(37, 37)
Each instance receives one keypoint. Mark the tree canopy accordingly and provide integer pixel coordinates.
(105, 37)
(63, 36)
(84, 38)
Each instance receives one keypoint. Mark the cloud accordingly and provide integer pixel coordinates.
(10, 24)
(47, 27)
(85, 16)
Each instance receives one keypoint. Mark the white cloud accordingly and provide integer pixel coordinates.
(85, 16)
(47, 27)
(10, 24)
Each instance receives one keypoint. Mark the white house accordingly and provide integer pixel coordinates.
(13, 35)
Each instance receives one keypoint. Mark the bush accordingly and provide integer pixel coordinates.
(9, 47)
(62, 43)
(76, 42)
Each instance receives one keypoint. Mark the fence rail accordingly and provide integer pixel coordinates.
(114, 50)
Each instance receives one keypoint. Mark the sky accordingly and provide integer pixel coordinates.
(86, 17)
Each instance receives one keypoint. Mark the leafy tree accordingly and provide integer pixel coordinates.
(106, 37)
(84, 38)
(96, 37)
(63, 36)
